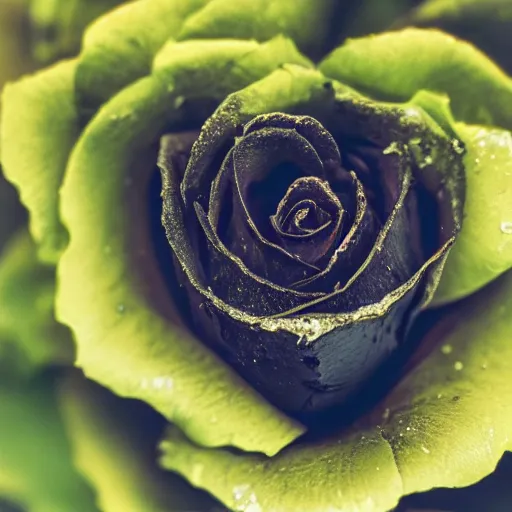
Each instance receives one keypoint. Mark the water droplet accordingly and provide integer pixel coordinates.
(377, 468)
(197, 472)
(425, 450)
(245, 501)
(392, 148)
(440, 395)
(408, 429)
(240, 491)
(458, 366)
(428, 160)
(178, 102)
(506, 227)
(121, 308)
(446, 349)
(484, 366)
(457, 146)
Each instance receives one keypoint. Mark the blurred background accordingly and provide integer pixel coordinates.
(35, 33)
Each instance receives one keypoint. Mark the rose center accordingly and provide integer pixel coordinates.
(305, 218)
(308, 219)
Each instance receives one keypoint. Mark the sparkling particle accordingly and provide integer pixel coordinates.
(178, 102)
(425, 450)
(506, 227)
(457, 146)
(245, 501)
(121, 308)
(458, 366)
(446, 349)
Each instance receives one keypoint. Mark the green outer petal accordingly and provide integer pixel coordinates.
(27, 293)
(14, 58)
(357, 474)
(38, 131)
(305, 21)
(122, 340)
(386, 66)
(117, 454)
(484, 247)
(119, 47)
(35, 460)
(215, 68)
(57, 25)
(486, 23)
(446, 424)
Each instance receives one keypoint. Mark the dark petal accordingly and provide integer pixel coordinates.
(303, 218)
(376, 170)
(226, 275)
(236, 285)
(175, 150)
(308, 219)
(435, 156)
(263, 165)
(312, 362)
(353, 249)
(178, 223)
(217, 136)
(390, 263)
(309, 128)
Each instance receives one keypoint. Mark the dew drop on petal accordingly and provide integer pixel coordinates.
(506, 227)
(245, 500)
(446, 349)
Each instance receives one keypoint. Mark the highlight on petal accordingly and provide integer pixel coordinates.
(113, 443)
(112, 295)
(36, 469)
(37, 132)
(447, 423)
(27, 324)
(386, 66)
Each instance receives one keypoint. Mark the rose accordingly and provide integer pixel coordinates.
(303, 268)
(111, 287)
